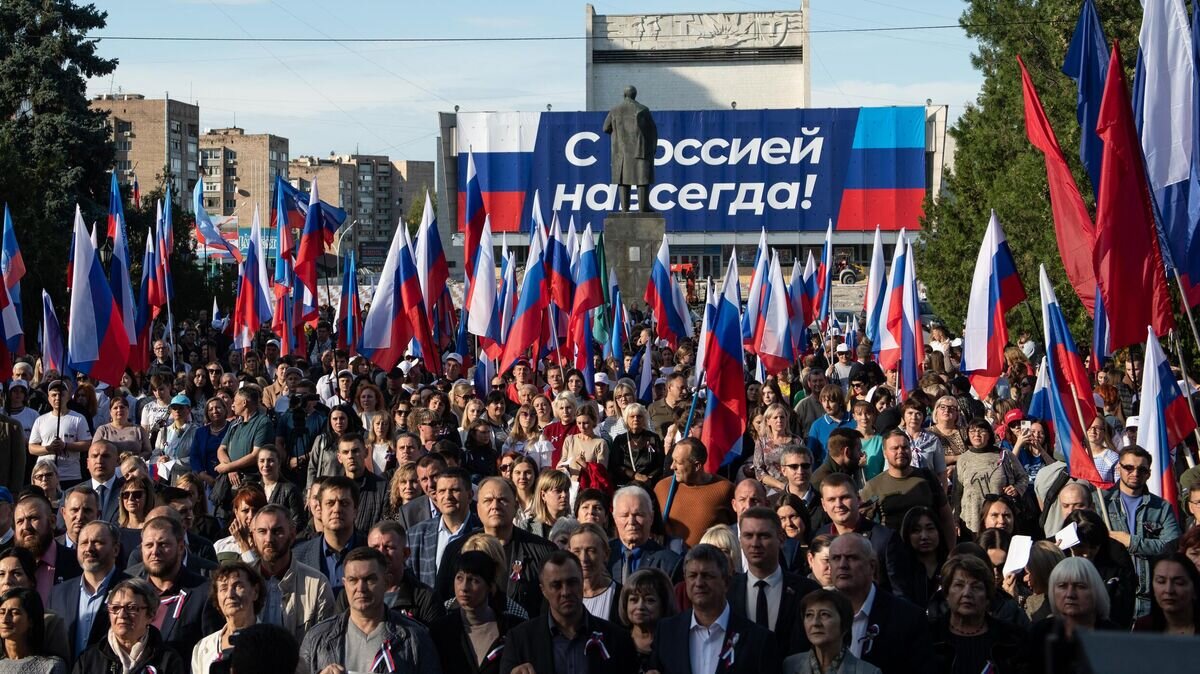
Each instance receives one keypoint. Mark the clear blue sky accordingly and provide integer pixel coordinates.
(383, 98)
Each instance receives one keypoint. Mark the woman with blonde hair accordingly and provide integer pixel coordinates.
(722, 537)
(382, 456)
(768, 448)
(525, 438)
(551, 502)
(403, 488)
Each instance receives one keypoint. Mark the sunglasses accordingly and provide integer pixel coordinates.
(797, 466)
(133, 494)
(1140, 470)
(505, 467)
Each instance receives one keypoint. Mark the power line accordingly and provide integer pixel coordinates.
(545, 38)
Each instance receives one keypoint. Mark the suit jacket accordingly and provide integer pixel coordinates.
(66, 564)
(903, 644)
(755, 650)
(184, 626)
(64, 600)
(653, 556)
(525, 552)
(13, 454)
(309, 553)
(423, 543)
(414, 512)
(886, 544)
(794, 589)
(531, 642)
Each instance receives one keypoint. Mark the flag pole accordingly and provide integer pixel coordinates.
(1099, 492)
(1173, 337)
(1033, 317)
(1187, 310)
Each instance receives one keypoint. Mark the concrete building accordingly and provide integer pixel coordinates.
(376, 191)
(239, 172)
(154, 137)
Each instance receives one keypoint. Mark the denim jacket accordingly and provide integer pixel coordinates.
(1155, 528)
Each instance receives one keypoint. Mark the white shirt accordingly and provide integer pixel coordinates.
(860, 623)
(108, 491)
(71, 427)
(774, 595)
(601, 605)
(705, 643)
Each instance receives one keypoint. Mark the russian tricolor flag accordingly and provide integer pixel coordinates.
(901, 345)
(13, 266)
(349, 315)
(711, 302)
(824, 299)
(670, 312)
(97, 345)
(995, 289)
(589, 294)
(1165, 418)
(253, 307)
(476, 215)
(775, 346)
(558, 267)
(725, 408)
(432, 268)
(876, 288)
(531, 306)
(53, 357)
(755, 297)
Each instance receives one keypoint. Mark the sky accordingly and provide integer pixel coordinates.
(382, 98)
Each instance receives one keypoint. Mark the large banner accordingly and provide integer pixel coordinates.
(715, 170)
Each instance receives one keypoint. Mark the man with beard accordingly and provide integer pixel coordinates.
(298, 596)
(183, 593)
(33, 521)
(81, 602)
(326, 553)
(80, 507)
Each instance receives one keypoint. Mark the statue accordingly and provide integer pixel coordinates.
(634, 144)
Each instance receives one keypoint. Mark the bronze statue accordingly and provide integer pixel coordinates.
(634, 143)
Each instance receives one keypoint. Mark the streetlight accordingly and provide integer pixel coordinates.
(341, 238)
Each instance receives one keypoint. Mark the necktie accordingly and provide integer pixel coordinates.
(760, 611)
(101, 496)
(625, 567)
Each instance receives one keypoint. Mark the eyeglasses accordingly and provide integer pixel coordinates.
(399, 412)
(213, 371)
(798, 466)
(506, 467)
(133, 494)
(128, 609)
(1140, 470)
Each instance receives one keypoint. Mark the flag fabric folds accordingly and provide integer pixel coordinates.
(876, 286)
(206, 231)
(1128, 263)
(665, 300)
(725, 406)
(1087, 64)
(349, 315)
(775, 342)
(13, 267)
(901, 345)
(118, 271)
(995, 289)
(530, 313)
(1165, 420)
(824, 299)
(752, 317)
(253, 307)
(97, 343)
(53, 356)
(432, 268)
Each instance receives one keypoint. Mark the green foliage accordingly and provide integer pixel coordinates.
(997, 168)
(54, 151)
(417, 208)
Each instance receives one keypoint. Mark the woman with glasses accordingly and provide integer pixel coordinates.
(637, 454)
(947, 426)
(401, 411)
(133, 644)
(1104, 453)
(137, 500)
(238, 593)
(45, 475)
(984, 469)
(624, 395)
(23, 630)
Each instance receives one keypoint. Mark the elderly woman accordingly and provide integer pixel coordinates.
(23, 630)
(646, 598)
(829, 625)
(45, 475)
(592, 506)
(123, 433)
(471, 634)
(248, 500)
(967, 639)
(983, 469)
(637, 454)
(927, 448)
(1078, 600)
(133, 645)
(1175, 602)
(238, 593)
(947, 425)
(173, 442)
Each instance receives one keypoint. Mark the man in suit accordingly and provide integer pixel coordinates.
(428, 540)
(764, 593)
(79, 507)
(422, 508)
(711, 636)
(82, 602)
(183, 594)
(632, 549)
(338, 503)
(102, 461)
(888, 632)
(524, 550)
(568, 639)
(33, 522)
(840, 500)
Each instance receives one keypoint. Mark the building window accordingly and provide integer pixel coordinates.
(175, 126)
(212, 203)
(176, 165)
(124, 126)
(230, 203)
(175, 144)
(212, 186)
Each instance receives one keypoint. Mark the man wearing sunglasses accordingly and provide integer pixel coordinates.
(1144, 523)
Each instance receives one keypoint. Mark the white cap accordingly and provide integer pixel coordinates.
(452, 356)
(956, 343)
(1132, 422)
(842, 348)
(601, 378)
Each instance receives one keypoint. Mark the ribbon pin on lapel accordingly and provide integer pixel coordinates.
(384, 658)
(597, 641)
(516, 571)
(727, 650)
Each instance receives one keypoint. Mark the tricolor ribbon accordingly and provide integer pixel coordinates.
(493, 654)
(597, 641)
(151, 670)
(516, 571)
(179, 604)
(727, 649)
(384, 658)
(868, 639)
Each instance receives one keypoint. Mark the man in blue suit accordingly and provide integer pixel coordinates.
(81, 602)
(632, 549)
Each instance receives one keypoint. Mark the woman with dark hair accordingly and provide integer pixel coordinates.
(967, 638)
(828, 621)
(322, 460)
(1189, 545)
(593, 506)
(981, 470)
(84, 401)
(995, 543)
(121, 431)
(199, 389)
(524, 478)
(646, 598)
(923, 551)
(1111, 560)
(248, 500)
(208, 438)
(277, 488)
(998, 512)
(238, 593)
(23, 629)
(18, 570)
(797, 525)
(470, 637)
(1175, 598)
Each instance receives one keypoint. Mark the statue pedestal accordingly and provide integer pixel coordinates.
(632, 240)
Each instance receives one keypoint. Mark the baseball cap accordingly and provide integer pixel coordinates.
(273, 342)
(842, 348)
(345, 373)
(601, 378)
(180, 400)
(1132, 422)
(57, 385)
(18, 383)
(452, 356)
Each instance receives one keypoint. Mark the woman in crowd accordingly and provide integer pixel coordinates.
(368, 402)
(277, 488)
(173, 441)
(1110, 559)
(833, 402)
(997, 512)
(490, 546)
(592, 507)
(967, 639)
(133, 644)
(121, 432)
(322, 460)
(203, 521)
(865, 415)
(525, 478)
(472, 411)
(382, 457)
(403, 487)
(156, 410)
(584, 447)
(769, 394)
(721, 536)
(45, 475)
(924, 551)
(16, 405)
(1077, 601)
(637, 454)
(1175, 602)
(84, 401)
(544, 409)
(982, 470)
(479, 454)
(995, 542)
(238, 593)
(1031, 447)
(23, 629)
(624, 395)
(577, 386)
(565, 408)
(818, 560)
(828, 621)
(1030, 587)
(247, 501)
(927, 450)
(646, 598)
(526, 437)
(471, 635)
(551, 502)
(1104, 454)
(209, 437)
(947, 426)
(199, 389)
(768, 449)
(796, 521)
(137, 500)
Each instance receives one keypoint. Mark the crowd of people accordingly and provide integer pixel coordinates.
(243, 510)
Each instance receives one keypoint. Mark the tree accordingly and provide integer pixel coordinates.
(417, 208)
(54, 150)
(997, 168)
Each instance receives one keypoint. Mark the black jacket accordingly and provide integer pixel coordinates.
(372, 501)
(885, 542)
(66, 564)
(454, 648)
(794, 589)
(100, 658)
(183, 627)
(901, 644)
(755, 650)
(414, 600)
(1007, 652)
(530, 642)
(525, 551)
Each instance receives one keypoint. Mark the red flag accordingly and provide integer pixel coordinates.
(1129, 266)
(1072, 224)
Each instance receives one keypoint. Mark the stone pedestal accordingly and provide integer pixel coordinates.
(631, 241)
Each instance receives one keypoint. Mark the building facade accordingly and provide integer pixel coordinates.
(155, 139)
(239, 171)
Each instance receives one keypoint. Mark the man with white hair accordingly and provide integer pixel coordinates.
(632, 549)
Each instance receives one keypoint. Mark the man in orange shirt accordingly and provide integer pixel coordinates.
(701, 499)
